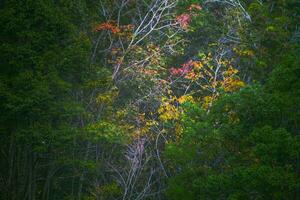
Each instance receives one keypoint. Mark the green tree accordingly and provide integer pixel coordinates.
(247, 147)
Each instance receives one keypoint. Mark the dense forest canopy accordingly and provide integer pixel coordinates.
(149, 99)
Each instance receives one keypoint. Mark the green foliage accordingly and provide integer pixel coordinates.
(223, 125)
(247, 147)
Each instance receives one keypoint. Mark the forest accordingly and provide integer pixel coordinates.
(150, 100)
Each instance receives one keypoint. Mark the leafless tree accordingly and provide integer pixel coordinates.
(233, 3)
(150, 19)
(140, 177)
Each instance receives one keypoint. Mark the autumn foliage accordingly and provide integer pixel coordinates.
(107, 26)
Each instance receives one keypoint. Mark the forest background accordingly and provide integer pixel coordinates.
(149, 99)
